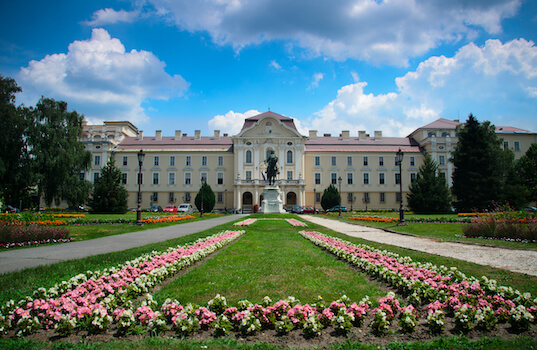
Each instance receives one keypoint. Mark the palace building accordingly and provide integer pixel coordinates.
(363, 166)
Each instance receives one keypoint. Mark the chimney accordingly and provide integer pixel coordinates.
(313, 134)
(378, 135)
(140, 135)
(158, 135)
(197, 135)
(184, 134)
(361, 135)
(225, 135)
(217, 134)
(327, 135)
(345, 135)
(177, 135)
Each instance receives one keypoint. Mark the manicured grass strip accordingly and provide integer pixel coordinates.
(271, 259)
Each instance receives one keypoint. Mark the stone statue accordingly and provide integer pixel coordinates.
(272, 168)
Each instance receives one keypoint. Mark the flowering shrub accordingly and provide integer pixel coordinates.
(13, 233)
(374, 219)
(502, 225)
(442, 290)
(296, 223)
(89, 301)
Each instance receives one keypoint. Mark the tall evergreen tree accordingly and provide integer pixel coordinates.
(55, 144)
(15, 176)
(109, 195)
(526, 168)
(477, 178)
(209, 199)
(429, 193)
(330, 198)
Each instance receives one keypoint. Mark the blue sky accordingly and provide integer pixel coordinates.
(391, 65)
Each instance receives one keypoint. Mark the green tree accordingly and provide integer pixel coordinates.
(209, 199)
(55, 144)
(477, 177)
(15, 176)
(330, 197)
(526, 168)
(429, 193)
(109, 195)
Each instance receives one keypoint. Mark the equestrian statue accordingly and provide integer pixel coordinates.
(272, 168)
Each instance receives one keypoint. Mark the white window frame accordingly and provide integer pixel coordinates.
(157, 178)
(171, 178)
(220, 178)
(188, 178)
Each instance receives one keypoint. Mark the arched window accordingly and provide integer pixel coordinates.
(445, 134)
(248, 156)
(289, 157)
(432, 134)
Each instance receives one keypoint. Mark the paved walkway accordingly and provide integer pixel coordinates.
(19, 259)
(523, 261)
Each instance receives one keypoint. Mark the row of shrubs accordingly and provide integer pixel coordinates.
(30, 233)
(503, 226)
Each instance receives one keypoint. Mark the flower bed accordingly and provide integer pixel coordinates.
(296, 223)
(503, 225)
(166, 219)
(90, 301)
(16, 234)
(439, 220)
(441, 291)
(374, 219)
(246, 222)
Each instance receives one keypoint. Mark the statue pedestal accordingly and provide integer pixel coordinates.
(272, 203)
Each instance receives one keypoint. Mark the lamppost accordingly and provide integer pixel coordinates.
(225, 200)
(314, 199)
(141, 156)
(201, 196)
(339, 180)
(401, 222)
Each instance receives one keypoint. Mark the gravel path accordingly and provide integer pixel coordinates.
(516, 260)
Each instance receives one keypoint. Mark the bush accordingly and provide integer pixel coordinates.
(503, 225)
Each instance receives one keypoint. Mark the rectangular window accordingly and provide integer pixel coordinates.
(412, 161)
(517, 146)
(381, 161)
(155, 178)
(187, 197)
(382, 178)
(317, 197)
(172, 160)
(97, 160)
(204, 161)
(203, 178)
(220, 161)
(349, 179)
(219, 197)
(123, 178)
(412, 177)
(317, 178)
(154, 198)
(171, 197)
(442, 175)
(366, 178)
(188, 178)
(333, 178)
(188, 161)
(382, 197)
(349, 161)
(506, 145)
(397, 179)
(220, 178)
(396, 162)
(289, 157)
(441, 160)
(248, 175)
(350, 197)
(95, 177)
(317, 161)
(125, 161)
(333, 161)
(81, 176)
(289, 175)
(156, 161)
(171, 178)
(366, 161)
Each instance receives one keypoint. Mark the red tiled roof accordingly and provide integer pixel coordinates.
(289, 122)
(337, 144)
(441, 124)
(510, 129)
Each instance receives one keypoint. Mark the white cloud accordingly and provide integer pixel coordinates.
(317, 77)
(99, 78)
(230, 122)
(496, 82)
(275, 65)
(111, 16)
(375, 31)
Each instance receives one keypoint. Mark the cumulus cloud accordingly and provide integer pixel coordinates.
(97, 76)
(498, 77)
(231, 122)
(111, 16)
(317, 77)
(375, 31)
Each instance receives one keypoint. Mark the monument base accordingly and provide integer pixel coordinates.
(272, 203)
